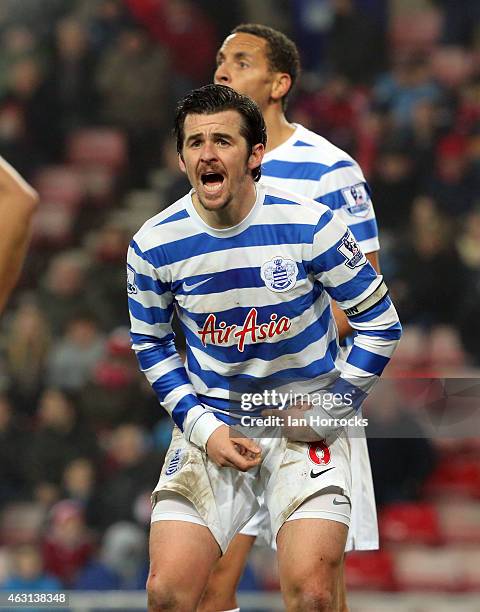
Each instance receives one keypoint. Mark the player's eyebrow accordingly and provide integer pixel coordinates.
(222, 135)
(238, 55)
(193, 137)
(200, 136)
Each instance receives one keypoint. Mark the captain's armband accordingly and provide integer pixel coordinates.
(370, 302)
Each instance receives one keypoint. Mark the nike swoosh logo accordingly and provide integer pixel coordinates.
(188, 288)
(317, 474)
(340, 503)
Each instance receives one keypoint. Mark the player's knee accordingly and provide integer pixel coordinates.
(217, 597)
(311, 597)
(316, 600)
(163, 597)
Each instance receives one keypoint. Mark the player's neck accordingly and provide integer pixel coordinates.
(237, 210)
(278, 128)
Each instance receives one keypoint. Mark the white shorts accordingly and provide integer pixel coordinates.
(226, 499)
(363, 530)
(329, 505)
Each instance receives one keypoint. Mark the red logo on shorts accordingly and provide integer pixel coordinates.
(319, 453)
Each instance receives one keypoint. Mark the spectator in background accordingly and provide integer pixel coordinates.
(68, 83)
(312, 21)
(74, 356)
(13, 467)
(64, 289)
(356, 47)
(28, 344)
(422, 136)
(452, 184)
(107, 252)
(121, 562)
(105, 20)
(180, 26)
(399, 90)
(331, 110)
(134, 84)
(402, 456)
(170, 182)
(58, 439)
(27, 573)
(430, 271)
(35, 15)
(394, 186)
(370, 131)
(114, 394)
(79, 484)
(37, 120)
(131, 469)
(68, 545)
(18, 43)
(461, 20)
(468, 245)
(468, 114)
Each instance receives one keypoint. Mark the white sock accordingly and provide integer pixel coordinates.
(234, 610)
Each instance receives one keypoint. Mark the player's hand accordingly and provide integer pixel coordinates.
(228, 451)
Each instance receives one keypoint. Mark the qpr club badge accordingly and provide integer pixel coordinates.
(279, 274)
(351, 251)
(357, 200)
(175, 463)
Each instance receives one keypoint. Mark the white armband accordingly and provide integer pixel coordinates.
(372, 300)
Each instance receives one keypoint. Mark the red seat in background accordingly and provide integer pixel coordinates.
(370, 570)
(100, 155)
(455, 476)
(460, 520)
(62, 194)
(410, 522)
(97, 146)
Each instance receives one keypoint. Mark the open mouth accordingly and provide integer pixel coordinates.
(212, 181)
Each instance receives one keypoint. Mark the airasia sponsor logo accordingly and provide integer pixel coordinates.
(249, 332)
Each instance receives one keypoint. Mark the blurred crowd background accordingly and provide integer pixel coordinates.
(87, 92)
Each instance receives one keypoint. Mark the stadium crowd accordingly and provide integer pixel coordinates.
(87, 92)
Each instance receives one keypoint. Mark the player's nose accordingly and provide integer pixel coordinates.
(208, 152)
(221, 76)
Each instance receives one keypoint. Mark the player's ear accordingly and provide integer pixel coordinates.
(281, 86)
(256, 156)
(181, 163)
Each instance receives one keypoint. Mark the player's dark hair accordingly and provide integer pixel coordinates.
(212, 99)
(282, 53)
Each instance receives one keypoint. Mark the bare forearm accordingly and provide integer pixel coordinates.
(17, 205)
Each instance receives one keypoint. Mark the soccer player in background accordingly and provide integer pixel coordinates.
(261, 62)
(17, 205)
(251, 271)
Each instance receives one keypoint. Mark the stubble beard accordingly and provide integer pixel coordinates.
(208, 208)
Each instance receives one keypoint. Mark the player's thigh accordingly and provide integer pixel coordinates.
(310, 554)
(342, 605)
(220, 593)
(182, 555)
